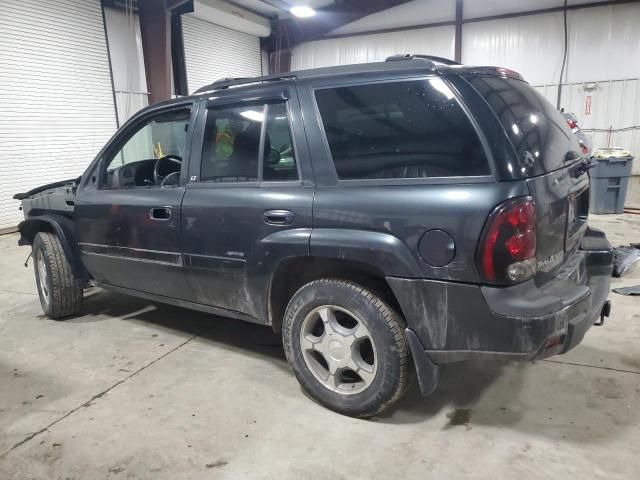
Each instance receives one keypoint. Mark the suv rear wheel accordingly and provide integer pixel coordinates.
(59, 293)
(346, 347)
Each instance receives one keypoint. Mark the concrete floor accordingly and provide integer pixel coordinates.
(133, 390)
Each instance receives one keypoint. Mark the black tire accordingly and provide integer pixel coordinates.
(60, 295)
(386, 330)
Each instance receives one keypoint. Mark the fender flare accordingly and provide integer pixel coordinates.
(384, 251)
(64, 228)
(370, 252)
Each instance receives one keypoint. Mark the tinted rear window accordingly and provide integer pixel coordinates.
(539, 133)
(409, 129)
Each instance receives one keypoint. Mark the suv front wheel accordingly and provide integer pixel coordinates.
(346, 347)
(59, 293)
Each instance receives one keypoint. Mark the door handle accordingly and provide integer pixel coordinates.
(278, 217)
(160, 213)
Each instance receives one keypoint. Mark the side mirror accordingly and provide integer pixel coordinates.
(285, 150)
(76, 182)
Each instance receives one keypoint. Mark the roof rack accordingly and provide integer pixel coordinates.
(232, 82)
(411, 56)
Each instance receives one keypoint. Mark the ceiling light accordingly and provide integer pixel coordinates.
(302, 11)
(253, 115)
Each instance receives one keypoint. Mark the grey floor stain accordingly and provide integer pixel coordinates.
(460, 416)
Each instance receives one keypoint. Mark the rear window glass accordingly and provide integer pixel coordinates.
(539, 132)
(409, 129)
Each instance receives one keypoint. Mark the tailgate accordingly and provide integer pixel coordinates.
(562, 208)
(547, 155)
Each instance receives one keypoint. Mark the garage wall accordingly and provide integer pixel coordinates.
(600, 84)
(604, 44)
(56, 100)
(607, 111)
(603, 59)
(213, 52)
(373, 48)
(532, 46)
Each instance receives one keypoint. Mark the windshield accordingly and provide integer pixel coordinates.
(538, 132)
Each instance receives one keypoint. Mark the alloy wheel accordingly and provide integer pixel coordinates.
(42, 275)
(338, 349)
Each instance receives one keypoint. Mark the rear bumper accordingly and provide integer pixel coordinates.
(454, 322)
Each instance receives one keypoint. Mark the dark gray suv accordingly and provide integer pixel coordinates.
(386, 217)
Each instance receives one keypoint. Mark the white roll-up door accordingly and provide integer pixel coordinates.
(56, 100)
(213, 52)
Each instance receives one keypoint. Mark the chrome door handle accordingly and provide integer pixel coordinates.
(160, 213)
(278, 217)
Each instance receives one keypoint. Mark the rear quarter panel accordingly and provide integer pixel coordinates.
(404, 213)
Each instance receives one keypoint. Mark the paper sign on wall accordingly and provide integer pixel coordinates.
(587, 105)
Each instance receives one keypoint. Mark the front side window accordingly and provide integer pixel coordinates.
(232, 145)
(161, 138)
(407, 129)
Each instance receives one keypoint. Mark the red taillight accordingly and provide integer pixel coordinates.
(508, 247)
(572, 124)
(522, 245)
(585, 149)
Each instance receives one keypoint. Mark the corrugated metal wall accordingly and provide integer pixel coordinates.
(608, 111)
(604, 44)
(603, 49)
(213, 52)
(373, 48)
(56, 100)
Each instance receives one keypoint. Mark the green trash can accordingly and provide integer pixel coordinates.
(609, 180)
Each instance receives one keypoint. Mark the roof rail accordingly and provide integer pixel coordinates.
(411, 56)
(231, 82)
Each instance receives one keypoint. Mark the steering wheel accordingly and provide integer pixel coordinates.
(274, 156)
(161, 179)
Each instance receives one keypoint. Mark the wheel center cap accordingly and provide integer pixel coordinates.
(337, 350)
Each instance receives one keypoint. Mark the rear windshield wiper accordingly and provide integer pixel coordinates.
(582, 167)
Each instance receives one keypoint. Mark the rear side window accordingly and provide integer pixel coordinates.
(538, 132)
(408, 129)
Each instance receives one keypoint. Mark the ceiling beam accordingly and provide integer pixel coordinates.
(255, 11)
(173, 4)
(458, 37)
(279, 4)
(155, 31)
(162, 47)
